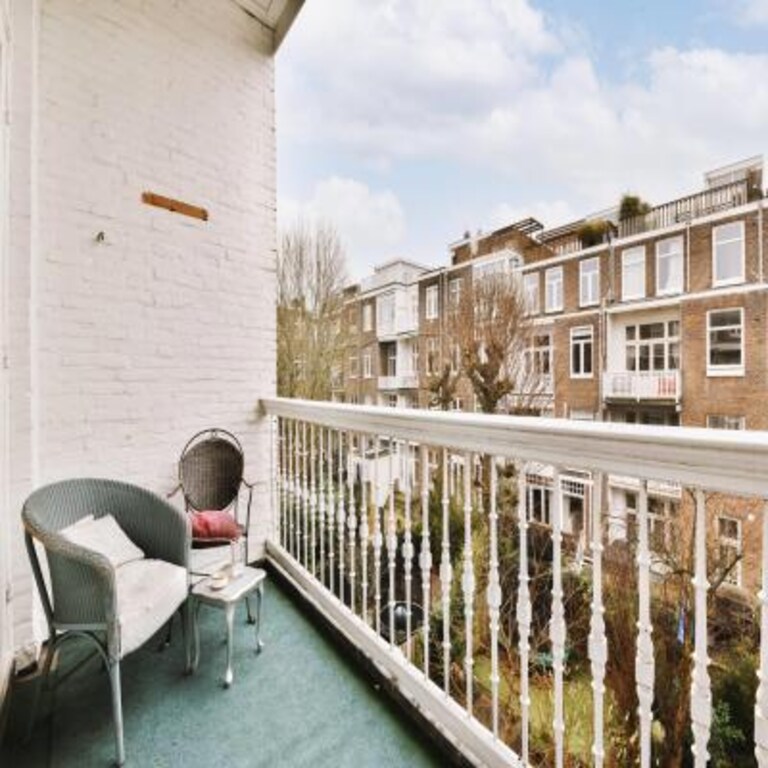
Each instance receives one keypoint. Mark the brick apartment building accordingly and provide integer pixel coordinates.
(657, 318)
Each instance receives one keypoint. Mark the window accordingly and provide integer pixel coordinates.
(633, 274)
(391, 359)
(581, 352)
(538, 365)
(728, 253)
(454, 292)
(554, 289)
(367, 317)
(432, 360)
(354, 362)
(367, 371)
(531, 292)
(455, 359)
(539, 499)
(431, 312)
(729, 540)
(415, 358)
(725, 347)
(716, 421)
(669, 266)
(392, 401)
(652, 346)
(385, 313)
(457, 404)
(661, 516)
(589, 282)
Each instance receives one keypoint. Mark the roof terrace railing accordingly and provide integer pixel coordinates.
(687, 208)
(432, 562)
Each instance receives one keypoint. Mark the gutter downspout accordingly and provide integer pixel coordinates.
(760, 246)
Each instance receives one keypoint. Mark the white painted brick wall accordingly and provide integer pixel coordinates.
(168, 326)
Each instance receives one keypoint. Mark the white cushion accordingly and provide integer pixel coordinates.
(106, 537)
(148, 594)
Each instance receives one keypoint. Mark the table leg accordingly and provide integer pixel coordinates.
(230, 613)
(259, 608)
(195, 611)
(251, 620)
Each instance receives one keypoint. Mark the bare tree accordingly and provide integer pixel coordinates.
(310, 279)
(492, 333)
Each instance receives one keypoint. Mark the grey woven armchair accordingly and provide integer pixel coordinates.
(89, 598)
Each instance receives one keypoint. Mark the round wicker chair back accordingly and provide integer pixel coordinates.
(211, 470)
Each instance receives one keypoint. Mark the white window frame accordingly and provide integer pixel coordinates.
(432, 362)
(531, 292)
(454, 292)
(354, 365)
(455, 359)
(367, 317)
(432, 307)
(553, 277)
(680, 254)
(716, 282)
(589, 282)
(582, 329)
(737, 544)
(726, 370)
(722, 421)
(367, 367)
(632, 257)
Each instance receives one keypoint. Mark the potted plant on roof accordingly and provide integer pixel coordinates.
(593, 232)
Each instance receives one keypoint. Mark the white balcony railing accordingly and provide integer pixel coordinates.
(650, 385)
(377, 551)
(401, 381)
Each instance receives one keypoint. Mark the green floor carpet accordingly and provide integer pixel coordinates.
(297, 704)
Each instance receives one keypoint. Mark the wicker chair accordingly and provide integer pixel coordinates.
(88, 598)
(211, 477)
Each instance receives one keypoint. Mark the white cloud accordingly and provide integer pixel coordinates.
(752, 11)
(500, 86)
(371, 224)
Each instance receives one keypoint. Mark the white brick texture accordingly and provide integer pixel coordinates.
(162, 325)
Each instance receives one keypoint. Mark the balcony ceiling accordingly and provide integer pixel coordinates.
(278, 15)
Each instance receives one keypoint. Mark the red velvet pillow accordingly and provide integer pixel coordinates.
(215, 524)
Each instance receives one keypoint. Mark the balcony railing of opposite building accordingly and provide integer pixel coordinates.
(687, 208)
(647, 385)
(377, 551)
(400, 381)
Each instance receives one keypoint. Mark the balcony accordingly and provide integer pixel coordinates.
(649, 386)
(400, 381)
(403, 324)
(687, 208)
(275, 713)
(510, 669)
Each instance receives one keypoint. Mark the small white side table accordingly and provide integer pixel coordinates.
(239, 588)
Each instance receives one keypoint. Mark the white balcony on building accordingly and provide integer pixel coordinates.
(400, 381)
(644, 385)
(643, 356)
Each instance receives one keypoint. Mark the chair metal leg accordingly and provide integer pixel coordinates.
(117, 709)
(186, 633)
(43, 684)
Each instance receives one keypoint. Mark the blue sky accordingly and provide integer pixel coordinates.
(408, 122)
